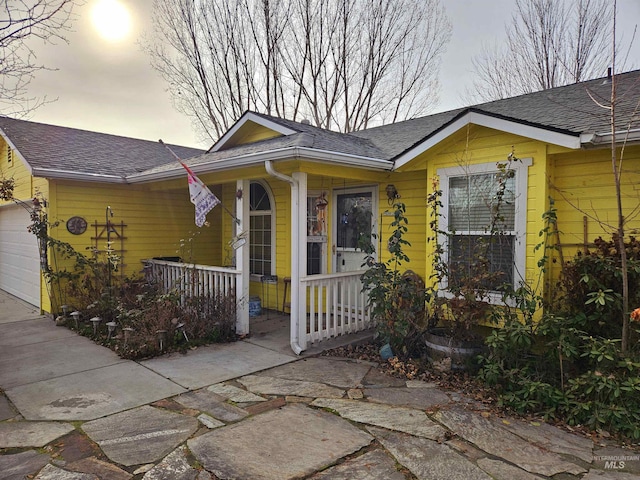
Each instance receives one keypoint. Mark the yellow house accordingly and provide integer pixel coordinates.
(296, 198)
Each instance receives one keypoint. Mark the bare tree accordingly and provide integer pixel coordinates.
(343, 64)
(549, 43)
(22, 21)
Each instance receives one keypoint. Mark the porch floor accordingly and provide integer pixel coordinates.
(271, 330)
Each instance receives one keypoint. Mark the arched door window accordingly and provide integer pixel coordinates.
(261, 241)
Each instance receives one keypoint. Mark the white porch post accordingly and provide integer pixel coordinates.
(298, 260)
(242, 258)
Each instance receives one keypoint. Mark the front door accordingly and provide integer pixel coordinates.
(353, 224)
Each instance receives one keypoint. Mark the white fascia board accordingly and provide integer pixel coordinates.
(251, 117)
(77, 176)
(368, 163)
(595, 140)
(489, 121)
(15, 149)
(289, 153)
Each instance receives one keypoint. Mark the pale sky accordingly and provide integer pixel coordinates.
(109, 86)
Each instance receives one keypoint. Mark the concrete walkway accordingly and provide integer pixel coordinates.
(73, 410)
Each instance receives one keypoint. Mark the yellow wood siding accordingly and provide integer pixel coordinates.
(250, 132)
(26, 186)
(158, 224)
(412, 188)
(479, 145)
(583, 186)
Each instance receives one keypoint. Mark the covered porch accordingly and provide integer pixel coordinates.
(289, 240)
(329, 306)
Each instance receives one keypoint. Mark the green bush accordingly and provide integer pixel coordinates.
(396, 298)
(591, 283)
(569, 365)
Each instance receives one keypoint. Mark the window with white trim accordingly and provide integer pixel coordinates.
(261, 242)
(480, 227)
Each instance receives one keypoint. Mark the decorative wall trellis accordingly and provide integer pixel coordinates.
(114, 232)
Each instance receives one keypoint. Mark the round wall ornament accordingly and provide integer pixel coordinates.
(77, 225)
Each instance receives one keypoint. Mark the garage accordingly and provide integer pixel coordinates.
(19, 264)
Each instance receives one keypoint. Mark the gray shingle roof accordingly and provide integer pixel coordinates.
(570, 109)
(329, 140)
(61, 148)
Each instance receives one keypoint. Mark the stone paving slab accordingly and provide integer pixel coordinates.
(282, 386)
(63, 357)
(31, 434)
(99, 468)
(427, 459)
(330, 371)
(501, 443)
(20, 465)
(376, 379)
(215, 363)
(500, 470)
(141, 435)
(551, 438)
(91, 394)
(420, 398)
(6, 410)
(213, 404)
(401, 419)
(374, 465)
(420, 384)
(282, 444)
(209, 422)
(609, 475)
(615, 454)
(235, 394)
(51, 472)
(174, 466)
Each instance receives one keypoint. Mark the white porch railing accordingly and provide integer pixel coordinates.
(190, 279)
(336, 305)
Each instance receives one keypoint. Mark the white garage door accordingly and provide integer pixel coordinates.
(19, 264)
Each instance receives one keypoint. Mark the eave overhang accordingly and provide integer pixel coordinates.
(57, 174)
(598, 140)
(496, 122)
(289, 153)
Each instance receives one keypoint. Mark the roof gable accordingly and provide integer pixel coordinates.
(497, 122)
(251, 127)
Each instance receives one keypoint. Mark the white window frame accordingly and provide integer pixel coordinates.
(257, 277)
(521, 169)
(373, 189)
(320, 239)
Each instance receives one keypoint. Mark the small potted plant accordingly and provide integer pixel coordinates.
(465, 283)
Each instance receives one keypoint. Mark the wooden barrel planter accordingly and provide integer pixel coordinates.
(441, 347)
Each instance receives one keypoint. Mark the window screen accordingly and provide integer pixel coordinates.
(482, 230)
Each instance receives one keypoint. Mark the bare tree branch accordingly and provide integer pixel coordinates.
(344, 64)
(549, 43)
(22, 21)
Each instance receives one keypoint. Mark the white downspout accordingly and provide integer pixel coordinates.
(295, 266)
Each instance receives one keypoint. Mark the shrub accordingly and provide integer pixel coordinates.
(569, 365)
(396, 299)
(591, 281)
